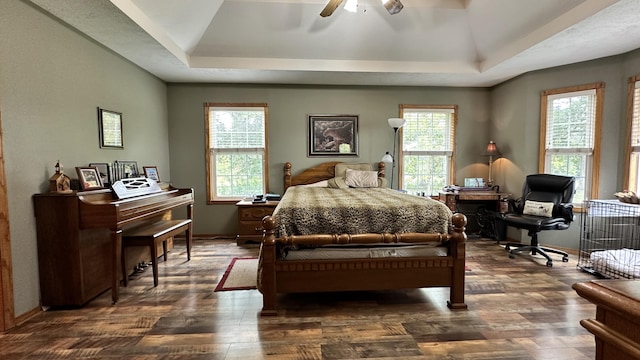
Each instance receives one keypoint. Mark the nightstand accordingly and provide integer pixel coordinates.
(250, 220)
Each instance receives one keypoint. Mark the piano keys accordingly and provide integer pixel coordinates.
(80, 239)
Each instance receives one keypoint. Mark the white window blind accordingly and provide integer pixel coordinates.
(635, 121)
(428, 131)
(234, 128)
(571, 122)
(633, 150)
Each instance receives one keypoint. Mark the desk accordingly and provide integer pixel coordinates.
(469, 202)
(617, 317)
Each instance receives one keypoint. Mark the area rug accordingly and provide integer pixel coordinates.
(241, 274)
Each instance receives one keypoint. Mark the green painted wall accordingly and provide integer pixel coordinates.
(515, 115)
(51, 82)
(288, 110)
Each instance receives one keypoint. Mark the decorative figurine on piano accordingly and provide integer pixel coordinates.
(59, 182)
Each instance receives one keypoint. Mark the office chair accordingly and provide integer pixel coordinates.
(545, 205)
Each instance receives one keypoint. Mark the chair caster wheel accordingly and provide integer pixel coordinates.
(549, 263)
(565, 259)
(511, 256)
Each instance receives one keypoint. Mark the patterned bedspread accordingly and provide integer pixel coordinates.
(319, 210)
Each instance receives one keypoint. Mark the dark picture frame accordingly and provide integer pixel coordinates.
(89, 178)
(110, 126)
(103, 171)
(333, 135)
(151, 172)
(128, 169)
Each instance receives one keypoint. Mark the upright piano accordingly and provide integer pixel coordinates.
(80, 238)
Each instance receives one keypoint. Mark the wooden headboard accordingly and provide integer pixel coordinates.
(324, 171)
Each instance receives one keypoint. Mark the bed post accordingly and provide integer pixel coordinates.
(267, 270)
(287, 175)
(458, 239)
(381, 167)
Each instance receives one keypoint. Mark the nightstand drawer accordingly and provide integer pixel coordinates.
(250, 228)
(254, 213)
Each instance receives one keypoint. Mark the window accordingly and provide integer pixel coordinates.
(427, 143)
(236, 138)
(632, 154)
(570, 136)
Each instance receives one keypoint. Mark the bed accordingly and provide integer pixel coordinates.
(399, 253)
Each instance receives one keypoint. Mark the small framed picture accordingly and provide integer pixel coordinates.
(151, 172)
(104, 171)
(89, 178)
(128, 169)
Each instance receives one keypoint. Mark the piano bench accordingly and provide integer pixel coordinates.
(151, 235)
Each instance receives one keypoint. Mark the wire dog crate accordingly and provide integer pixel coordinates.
(610, 239)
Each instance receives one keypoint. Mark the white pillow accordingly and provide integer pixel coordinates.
(538, 208)
(323, 183)
(361, 179)
(341, 168)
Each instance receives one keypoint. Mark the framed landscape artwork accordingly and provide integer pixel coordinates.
(333, 135)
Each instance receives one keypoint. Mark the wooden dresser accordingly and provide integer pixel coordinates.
(617, 317)
(250, 220)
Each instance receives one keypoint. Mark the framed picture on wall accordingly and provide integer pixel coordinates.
(333, 135)
(110, 129)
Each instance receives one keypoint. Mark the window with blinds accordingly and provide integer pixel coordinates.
(427, 148)
(236, 150)
(632, 179)
(568, 140)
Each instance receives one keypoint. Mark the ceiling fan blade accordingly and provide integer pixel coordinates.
(393, 6)
(332, 5)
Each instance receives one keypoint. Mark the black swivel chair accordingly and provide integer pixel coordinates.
(542, 188)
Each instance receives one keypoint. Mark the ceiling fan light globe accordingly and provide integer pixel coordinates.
(351, 6)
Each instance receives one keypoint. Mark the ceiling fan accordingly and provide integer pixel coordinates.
(392, 6)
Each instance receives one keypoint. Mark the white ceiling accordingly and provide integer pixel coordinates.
(429, 43)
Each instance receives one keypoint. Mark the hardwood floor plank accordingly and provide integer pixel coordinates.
(518, 309)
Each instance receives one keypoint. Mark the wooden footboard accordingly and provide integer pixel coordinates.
(288, 276)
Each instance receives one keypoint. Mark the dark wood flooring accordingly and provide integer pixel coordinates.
(518, 309)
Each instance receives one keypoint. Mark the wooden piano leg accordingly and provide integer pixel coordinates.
(189, 232)
(116, 253)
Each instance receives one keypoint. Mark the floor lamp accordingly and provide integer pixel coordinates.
(395, 123)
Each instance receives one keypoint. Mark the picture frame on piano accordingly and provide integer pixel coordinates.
(89, 178)
(151, 172)
(104, 171)
(128, 169)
